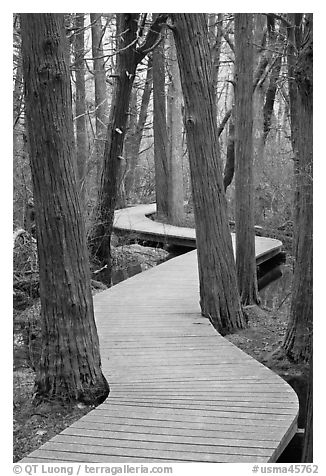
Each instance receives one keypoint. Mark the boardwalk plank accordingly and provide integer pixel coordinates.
(145, 428)
(156, 450)
(180, 437)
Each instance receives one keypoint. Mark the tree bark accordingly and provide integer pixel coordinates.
(133, 141)
(219, 297)
(129, 56)
(215, 40)
(129, 147)
(175, 136)
(81, 136)
(161, 144)
(261, 58)
(307, 452)
(126, 68)
(244, 207)
(298, 339)
(100, 89)
(230, 157)
(70, 365)
(270, 97)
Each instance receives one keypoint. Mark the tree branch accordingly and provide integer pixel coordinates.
(225, 35)
(224, 121)
(153, 35)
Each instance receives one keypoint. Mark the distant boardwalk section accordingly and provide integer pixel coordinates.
(134, 220)
(180, 392)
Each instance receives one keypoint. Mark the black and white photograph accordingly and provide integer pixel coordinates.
(162, 242)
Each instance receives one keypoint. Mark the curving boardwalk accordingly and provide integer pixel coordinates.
(134, 220)
(179, 391)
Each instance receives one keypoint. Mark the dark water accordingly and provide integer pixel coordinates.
(277, 294)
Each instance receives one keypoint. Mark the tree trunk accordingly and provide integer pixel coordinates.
(126, 68)
(229, 115)
(270, 97)
(230, 159)
(219, 296)
(307, 453)
(298, 339)
(133, 146)
(81, 137)
(70, 366)
(100, 89)
(129, 56)
(261, 58)
(244, 207)
(215, 41)
(18, 86)
(129, 146)
(175, 136)
(161, 144)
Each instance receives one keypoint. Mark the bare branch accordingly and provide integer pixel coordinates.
(225, 35)
(224, 121)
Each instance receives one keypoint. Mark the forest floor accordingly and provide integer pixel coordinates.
(34, 425)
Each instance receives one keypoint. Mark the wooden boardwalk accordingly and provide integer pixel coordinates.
(179, 391)
(134, 221)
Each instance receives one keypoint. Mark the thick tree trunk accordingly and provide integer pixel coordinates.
(100, 89)
(220, 300)
(244, 207)
(230, 158)
(126, 68)
(81, 136)
(70, 366)
(298, 339)
(161, 144)
(175, 135)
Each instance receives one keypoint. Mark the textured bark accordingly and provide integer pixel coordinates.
(261, 59)
(18, 91)
(175, 134)
(126, 68)
(133, 140)
(230, 159)
(129, 56)
(100, 88)
(270, 97)
(298, 339)
(128, 148)
(307, 452)
(215, 40)
(81, 136)
(161, 144)
(244, 209)
(219, 296)
(70, 367)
